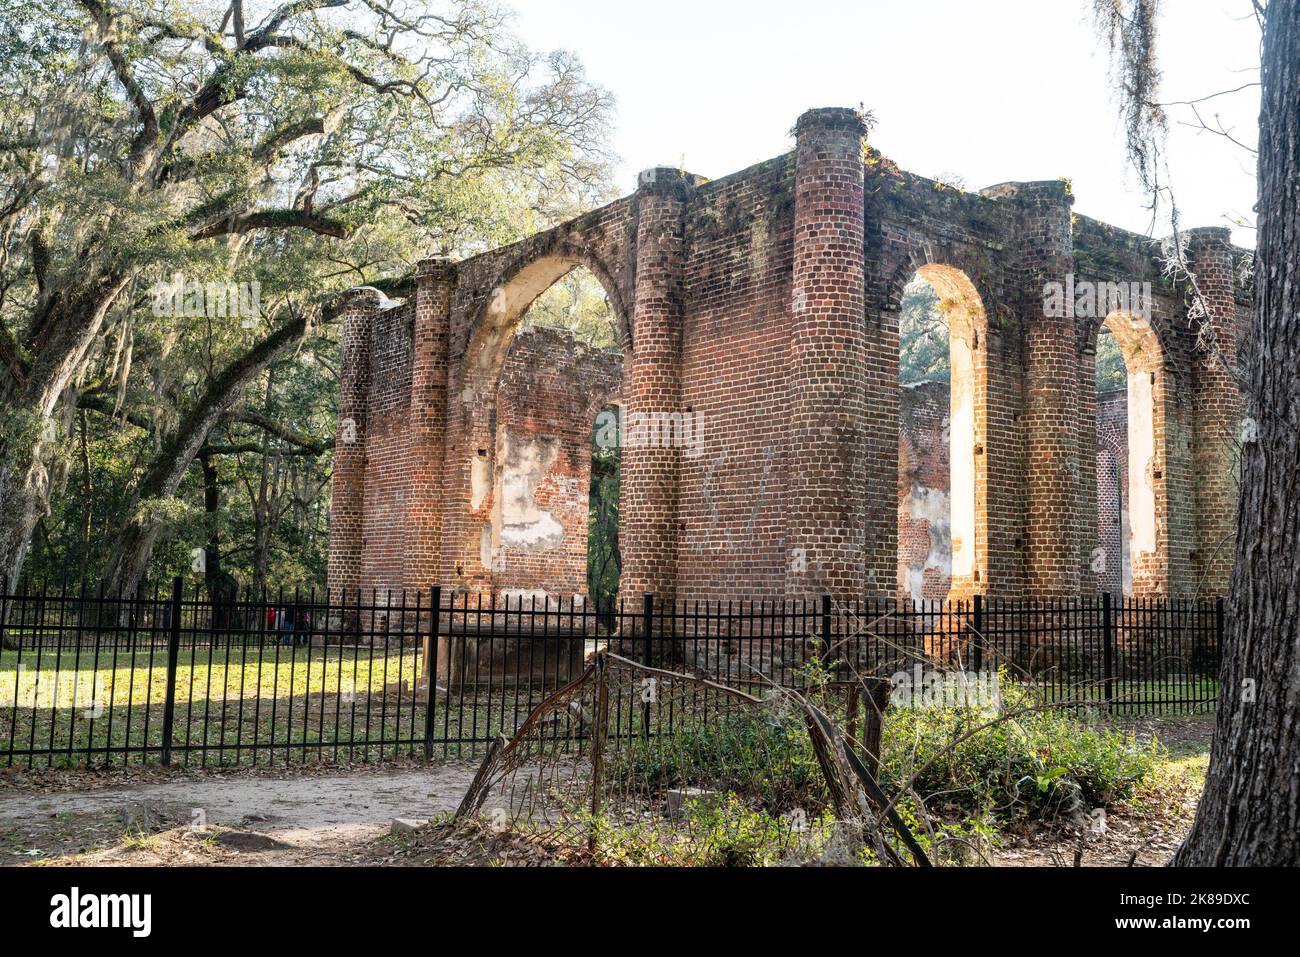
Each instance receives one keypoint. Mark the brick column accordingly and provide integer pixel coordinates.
(827, 504)
(650, 467)
(1054, 558)
(347, 506)
(1218, 407)
(434, 281)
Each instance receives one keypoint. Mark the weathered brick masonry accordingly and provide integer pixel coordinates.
(551, 391)
(924, 481)
(765, 304)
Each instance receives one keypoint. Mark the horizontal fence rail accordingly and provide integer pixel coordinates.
(179, 676)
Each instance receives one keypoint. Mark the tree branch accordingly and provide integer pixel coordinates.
(146, 139)
(304, 443)
(163, 476)
(273, 219)
(308, 444)
(269, 148)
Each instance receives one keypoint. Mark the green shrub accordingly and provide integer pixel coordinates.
(726, 832)
(718, 830)
(1041, 764)
(763, 755)
(958, 841)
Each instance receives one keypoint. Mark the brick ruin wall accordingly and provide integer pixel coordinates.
(552, 389)
(736, 498)
(1113, 573)
(924, 531)
(763, 307)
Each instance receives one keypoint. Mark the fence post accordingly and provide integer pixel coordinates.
(431, 663)
(648, 617)
(1218, 633)
(173, 652)
(826, 631)
(647, 622)
(1107, 649)
(977, 627)
(599, 732)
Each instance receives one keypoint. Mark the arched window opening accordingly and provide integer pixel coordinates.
(577, 304)
(1114, 571)
(1129, 472)
(604, 561)
(561, 368)
(924, 506)
(941, 429)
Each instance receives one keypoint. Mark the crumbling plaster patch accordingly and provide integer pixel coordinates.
(524, 463)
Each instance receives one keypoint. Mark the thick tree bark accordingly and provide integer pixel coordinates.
(87, 485)
(262, 506)
(63, 332)
(1250, 811)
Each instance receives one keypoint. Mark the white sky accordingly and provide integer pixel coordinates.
(986, 91)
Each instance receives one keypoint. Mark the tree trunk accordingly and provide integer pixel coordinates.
(261, 506)
(134, 546)
(221, 586)
(87, 486)
(23, 489)
(1250, 811)
(66, 328)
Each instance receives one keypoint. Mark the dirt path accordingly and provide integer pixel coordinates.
(299, 819)
(330, 815)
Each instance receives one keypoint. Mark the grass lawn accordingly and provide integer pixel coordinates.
(1186, 741)
(273, 703)
(1190, 694)
(237, 705)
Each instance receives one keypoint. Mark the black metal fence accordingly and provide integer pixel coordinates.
(86, 678)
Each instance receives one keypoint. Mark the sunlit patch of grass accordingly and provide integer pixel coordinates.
(266, 703)
(138, 841)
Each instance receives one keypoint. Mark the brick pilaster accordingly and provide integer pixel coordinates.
(434, 280)
(1054, 559)
(347, 506)
(1218, 408)
(827, 504)
(650, 467)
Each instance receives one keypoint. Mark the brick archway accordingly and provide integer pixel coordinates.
(492, 450)
(517, 286)
(1146, 497)
(964, 314)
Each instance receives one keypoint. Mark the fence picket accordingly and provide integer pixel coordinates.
(1156, 656)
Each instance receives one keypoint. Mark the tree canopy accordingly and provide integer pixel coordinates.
(283, 150)
(923, 347)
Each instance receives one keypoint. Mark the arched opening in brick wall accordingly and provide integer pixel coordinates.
(604, 559)
(1111, 563)
(561, 366)
(942, 525)
(1129, 383)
